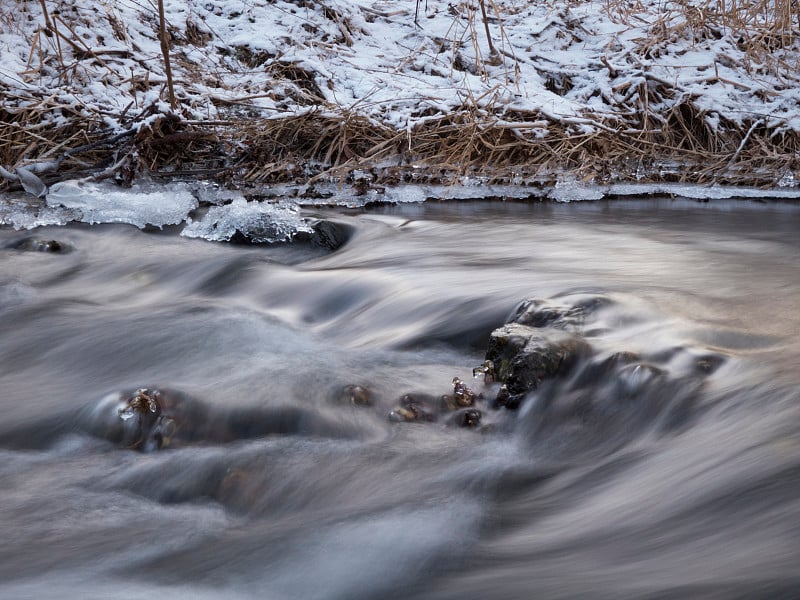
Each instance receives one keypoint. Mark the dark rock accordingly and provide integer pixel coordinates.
(709, 363)
(414, 407)
(141, 423)
(330, 235)
(486, 370)
(327, 234)
(32, 244)
(570, 315)
(462, 396)
(470, 417)
(524, 356)
(356, 394)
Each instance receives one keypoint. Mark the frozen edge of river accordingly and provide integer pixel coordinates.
(274, 212)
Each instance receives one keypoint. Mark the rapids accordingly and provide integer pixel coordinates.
(605, 483)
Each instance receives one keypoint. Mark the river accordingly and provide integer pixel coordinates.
(676, 486)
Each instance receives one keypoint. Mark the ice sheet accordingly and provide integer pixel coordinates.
(140, 205)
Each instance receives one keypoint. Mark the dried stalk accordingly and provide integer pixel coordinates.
(163, 37)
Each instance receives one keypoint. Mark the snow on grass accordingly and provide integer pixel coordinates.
(665, 82)
(560, 58)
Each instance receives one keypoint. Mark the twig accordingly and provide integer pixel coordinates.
(744, 141)
(492, 51)
(163, 37)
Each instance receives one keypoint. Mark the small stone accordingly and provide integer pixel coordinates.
(486, 370)
(469, 418)
(413, 408)
(462, 394)
(356, 394)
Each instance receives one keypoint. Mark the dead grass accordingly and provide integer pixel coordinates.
(764, 29)
(333, 145)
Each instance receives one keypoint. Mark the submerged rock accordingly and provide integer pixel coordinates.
(151, 419)
(569, 316)
(469, 418)
(415, 407)
(33, 244)
(145, 420)
(356, 394)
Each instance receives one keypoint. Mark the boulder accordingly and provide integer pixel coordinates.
(525, 356)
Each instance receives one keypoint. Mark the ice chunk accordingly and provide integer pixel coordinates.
(257, 222)
(25, 212)
(568, 190)
(139, 205)
(37, 217)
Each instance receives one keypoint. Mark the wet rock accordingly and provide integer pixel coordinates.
(468, 418)
(137, 421)
(326, 234)
(485, 371)
(601, 367)
(414, 407)
(570, 315)
(461, 397)
(151, 419)
(525, 356)
(634, 378)
(356, 394)
(330, 235)
(33, 244)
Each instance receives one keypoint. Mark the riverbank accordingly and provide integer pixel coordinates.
(376, 93)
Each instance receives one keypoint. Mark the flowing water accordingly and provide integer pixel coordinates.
(661, 482)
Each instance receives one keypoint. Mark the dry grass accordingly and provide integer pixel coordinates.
(764, 29)
(440, 149)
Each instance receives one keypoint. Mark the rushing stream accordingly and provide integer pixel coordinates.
(658, 479)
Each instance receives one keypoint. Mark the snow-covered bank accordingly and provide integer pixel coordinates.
(277, 90)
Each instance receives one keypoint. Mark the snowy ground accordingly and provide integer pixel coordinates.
(559, 69)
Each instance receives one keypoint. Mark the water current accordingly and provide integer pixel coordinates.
(674, 476)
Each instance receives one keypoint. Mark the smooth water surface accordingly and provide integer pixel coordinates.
(676, 486)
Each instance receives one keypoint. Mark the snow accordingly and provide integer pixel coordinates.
(556, 57)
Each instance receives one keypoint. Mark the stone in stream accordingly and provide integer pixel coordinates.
(468, 417)
(150, 419)
(461, 397)
(525, 356)
(34, 244)
(569, 317)
(486, 371)
(415, 407)
(138, 421)
(423, 407)
(356, 394)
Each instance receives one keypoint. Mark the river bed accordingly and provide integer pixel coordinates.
(688, 487)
